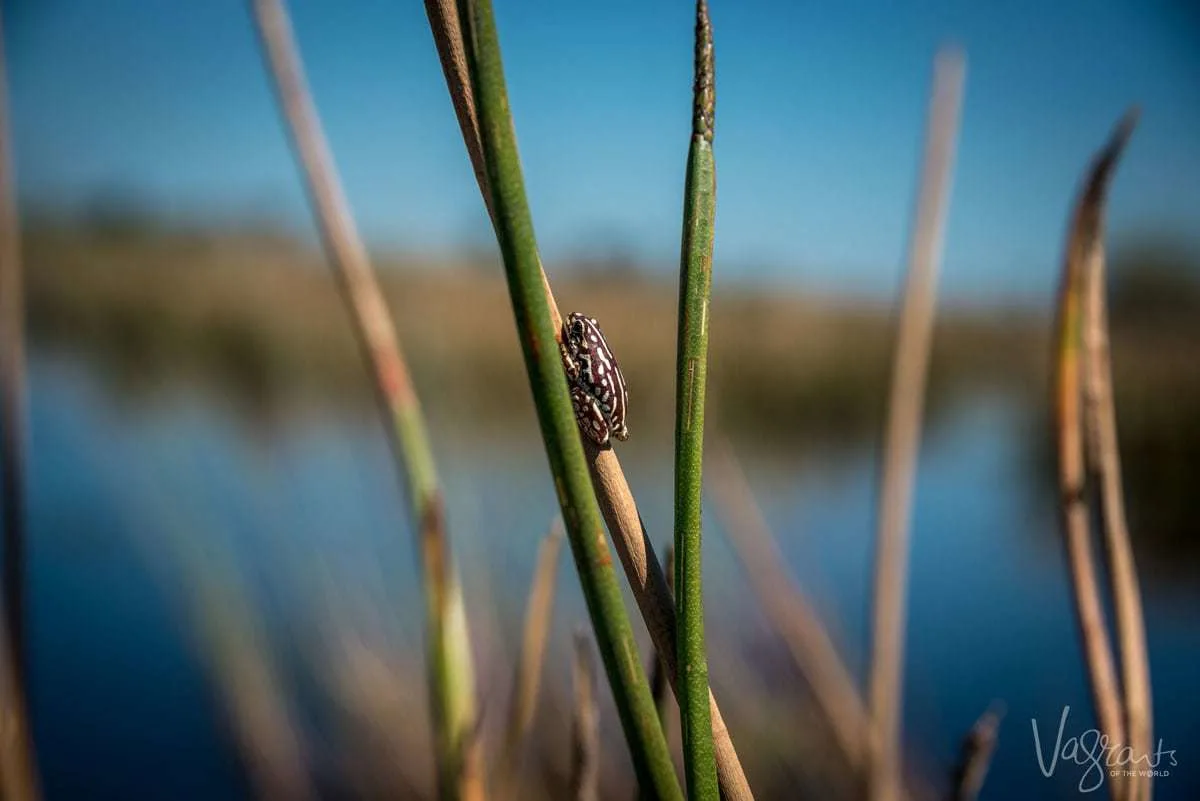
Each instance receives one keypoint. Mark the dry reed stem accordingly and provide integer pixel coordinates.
(1083, 248)
(642, 568)
(12, 402)
(18, 772)
(255, 703)
(18, 782)
(460, 761)
(446, 26)
(585, 724)
(790, 612)
(903, 433)
(976, 755)
(1105, 462)
(528, 675)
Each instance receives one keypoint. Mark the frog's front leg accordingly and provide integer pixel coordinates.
(589, 416)
(570, 366)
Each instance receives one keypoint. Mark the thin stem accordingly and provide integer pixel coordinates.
(585, 724)
(1104, 456)
(12, 404)
(448, 648)
(1083, 238)
(903, 434)
(691, 373)
(528, 675)
(18, 770)
(560, 434)
(18, 781)
(976, 755)
(790, 612)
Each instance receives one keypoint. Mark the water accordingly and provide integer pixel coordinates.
(307, 508)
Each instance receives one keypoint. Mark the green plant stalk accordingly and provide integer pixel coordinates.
(695, 290)
(449, 664)
(448, 655)
(564, 449)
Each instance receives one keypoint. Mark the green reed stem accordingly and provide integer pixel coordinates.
(564, 449)
(449, 664)
(695, 289)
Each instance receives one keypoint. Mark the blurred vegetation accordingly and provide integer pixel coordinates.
(256, 313)
(1155, 318)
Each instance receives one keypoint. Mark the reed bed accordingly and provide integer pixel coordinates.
(593, 492)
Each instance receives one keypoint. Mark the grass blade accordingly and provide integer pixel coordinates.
(903, 432)
(691, 373)
(585, 724)
(1104, 457)
(528, 676)
(564, 449)
(642, 569)
(451, 674)
(1083, 246)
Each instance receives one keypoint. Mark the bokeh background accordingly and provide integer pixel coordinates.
(203, 448)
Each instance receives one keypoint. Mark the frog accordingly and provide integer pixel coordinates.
(599, 395)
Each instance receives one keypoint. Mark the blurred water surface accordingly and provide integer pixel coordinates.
(125, 493)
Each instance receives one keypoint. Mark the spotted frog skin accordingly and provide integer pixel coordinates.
(598, 392)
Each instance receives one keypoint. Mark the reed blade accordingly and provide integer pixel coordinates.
(903, 433)
(448, 652)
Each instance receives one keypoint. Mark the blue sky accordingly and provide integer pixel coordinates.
(820, 109)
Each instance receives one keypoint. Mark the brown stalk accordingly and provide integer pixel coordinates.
(790, 612)
(18, 773)
(617, 505)
(1105, 462)
(447, 36)
(460, 753)
(249, 685)
(1078, 352)
(902, 437)
(18, 781)
(976, 755)
(585, 724)
(12, 402)
(528, 676)
(660, 685)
